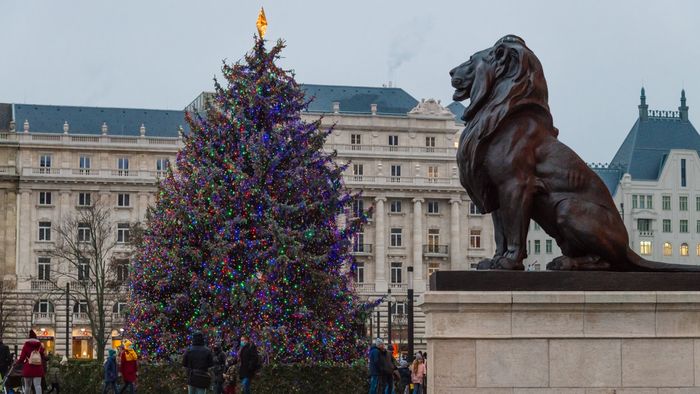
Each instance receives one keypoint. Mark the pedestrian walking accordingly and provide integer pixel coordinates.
(34, 360)
(417, 374)
(198, 359)
(405, 377)
(128, 366)
(249, 363)
(110, 373)
(53, 375)
(5, 359)
(375, 368)
(218, 369)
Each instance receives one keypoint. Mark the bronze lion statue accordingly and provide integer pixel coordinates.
(514, 167)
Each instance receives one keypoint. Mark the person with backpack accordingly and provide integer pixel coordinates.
(110, 372)
(128, 366)
(219, 369)
(249, 363)
(198, 359)
(34, 360)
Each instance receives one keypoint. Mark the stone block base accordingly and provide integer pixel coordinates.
(563, 342)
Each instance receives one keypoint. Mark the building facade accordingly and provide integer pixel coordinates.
(654, 179)
(55, 160)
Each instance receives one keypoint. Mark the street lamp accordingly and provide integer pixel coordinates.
(410, 313)
(389, 299)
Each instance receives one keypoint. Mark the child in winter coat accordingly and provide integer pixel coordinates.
(110, 369)
(417, 374)
(405, 374)
(230, 378)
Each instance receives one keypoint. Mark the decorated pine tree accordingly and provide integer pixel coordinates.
(247, 234)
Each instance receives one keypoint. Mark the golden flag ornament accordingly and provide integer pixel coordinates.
(261, 23)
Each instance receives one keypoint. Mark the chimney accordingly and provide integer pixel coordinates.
(643, 107)
(373, 108)
(336, 107)
(683, 109)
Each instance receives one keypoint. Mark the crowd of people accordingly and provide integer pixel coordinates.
(208, 370)
(389, 376)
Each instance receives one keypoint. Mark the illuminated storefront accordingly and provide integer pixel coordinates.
(83, 346)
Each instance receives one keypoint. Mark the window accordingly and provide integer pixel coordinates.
(396, 273)
(666, 203)
(122, 270)
(123, 166)
(355, 141)
(395, 173)
(645, 248)
(44, 198)
(85, 165)
(123, 200)
(80, 307)
(360, 273)
(642, 201)
(44, 231)
(683, 180)
(666, 228)
(398, 308)
(535, 226)
(162, 165)
(668, 249)
(43, 306)
(83, 232)
(683, 227)
(644, 225)
(682, 203)
(697, 250)
(433, 207)
(635, 204)
(537, 246)
(429, 144)
(475, 239)
(433, 240)
(432, 174)
(697, 226)
(473, 210)
(395, 206)
(84, 199)
(393, 142)
(358, 243)
(357, 171)
(120, 308)
(83, 269)
(548, 246)
(45, 164)
(358, 208)
(395, 237)
(44, 265)
(123, 233)
(697, 203)
(433, 267)
(684, 249)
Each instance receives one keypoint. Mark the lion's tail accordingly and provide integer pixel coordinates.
(638, 263)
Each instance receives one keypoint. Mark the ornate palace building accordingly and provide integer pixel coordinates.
(56, 159)
(654, 179)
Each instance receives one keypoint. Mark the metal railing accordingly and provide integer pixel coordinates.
(646, 233)
(364, 287)
(438, 250)
(362, 248)
(398, 286)
(392, 148)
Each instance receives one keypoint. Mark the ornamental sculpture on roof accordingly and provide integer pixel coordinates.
(514, 167)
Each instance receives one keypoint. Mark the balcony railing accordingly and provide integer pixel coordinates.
(118, 317)
(646, 233)
(364, 288)
(399, 149)
(8, 170)
(90, 173)
(43, 317)
(80, 317)
(43, 285)
(403, 180)
(362, 249)
(398, 286)
(81, 284)
(77, 139)
(435, 250)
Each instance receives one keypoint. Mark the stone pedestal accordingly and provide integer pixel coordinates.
(563, 342)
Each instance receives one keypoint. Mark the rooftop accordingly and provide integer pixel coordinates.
(359, 100)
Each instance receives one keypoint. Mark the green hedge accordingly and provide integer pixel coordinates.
(85, 377)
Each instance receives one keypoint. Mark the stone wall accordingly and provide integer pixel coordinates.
(563, 342)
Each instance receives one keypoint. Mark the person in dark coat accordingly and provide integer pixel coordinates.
(405, 374)
(375, 365)
(5, 359)
(249, 363)
(110, 372)
(34, 363)
(388, 367)
(198, 359)
(218, 369)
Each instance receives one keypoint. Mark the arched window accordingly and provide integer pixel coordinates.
(119, 308)
(697, 250)
(80, 307)
(684, 249)
(668, 249)
(43, 306)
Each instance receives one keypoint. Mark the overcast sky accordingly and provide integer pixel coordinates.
(161, 54)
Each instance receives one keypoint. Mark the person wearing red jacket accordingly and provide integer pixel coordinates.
(128, 366)
(33, 367)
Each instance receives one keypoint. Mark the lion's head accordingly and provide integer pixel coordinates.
(497, 80)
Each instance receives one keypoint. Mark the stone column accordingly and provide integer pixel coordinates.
(418, 278)
(455, 235)
(380, 282)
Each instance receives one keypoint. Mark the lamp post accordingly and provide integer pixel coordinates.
(389, 299)
(410, 313)
(378, 319)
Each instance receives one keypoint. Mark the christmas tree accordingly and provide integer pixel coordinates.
(251, 234)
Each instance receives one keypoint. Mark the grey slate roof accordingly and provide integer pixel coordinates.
(88, 120)
(356, 99)
(457, 108)
(610, 176)
(648, 143)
